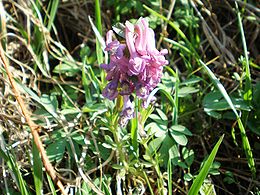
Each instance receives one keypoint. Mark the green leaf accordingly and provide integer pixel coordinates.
(154, 145)
(213, 113)
(197, 183)
(214, 101)
(118, 167)
(48, 103)
(94, 107)
(169, 173)
(119, 29)
(78, 137)
(69, 111)
(56, 150)
(229, 177)
(158, 120)
(254, 126)
(167, 94)
(190, 81)
(181, 129)
(168, 149)
(162, 115)
(157, 129)
(207, 189)
(188, 177)
(109, 142)
(188, 156)
(180, 138)
(173, 151)
(68, 69)
(245, 141)
(184, 91)
(106, 188)
(86, 84)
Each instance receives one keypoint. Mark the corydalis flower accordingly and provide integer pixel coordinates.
(134, 67)
(110, 91)
(145, 60)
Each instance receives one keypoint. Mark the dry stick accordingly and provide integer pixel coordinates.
(34, 128)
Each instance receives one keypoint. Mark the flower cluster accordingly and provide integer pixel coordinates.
(134, 67)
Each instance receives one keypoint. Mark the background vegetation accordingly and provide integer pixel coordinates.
(210, 88)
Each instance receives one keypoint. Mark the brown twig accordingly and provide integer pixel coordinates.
(34, 128)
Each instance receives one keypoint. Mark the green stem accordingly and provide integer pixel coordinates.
(135, 130)
(119, 149)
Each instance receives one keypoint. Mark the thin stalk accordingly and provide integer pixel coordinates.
(176, 100)
(116, 135)
(135, 130)
(169, 172)
(148, 183)
(248, 84)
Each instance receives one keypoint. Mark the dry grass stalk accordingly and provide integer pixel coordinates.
(34, 128)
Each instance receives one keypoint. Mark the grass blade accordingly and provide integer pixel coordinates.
(169, 172)
(248, 84)
(11, 162)
(37, 170)
(99, 27)
(205, 169)
(178, 45)
(51, 185)
(247, 147)
(168, 95)
(54, 7)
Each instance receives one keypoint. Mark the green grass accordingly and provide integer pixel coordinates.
(246, 144)
(197, 183)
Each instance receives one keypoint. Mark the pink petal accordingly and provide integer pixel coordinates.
(130, 40)
(142, 39)
(109, 36)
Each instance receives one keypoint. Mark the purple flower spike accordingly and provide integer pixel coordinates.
(134, 67)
